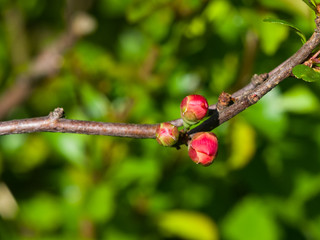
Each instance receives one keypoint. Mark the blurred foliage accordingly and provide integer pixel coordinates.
(143, 58)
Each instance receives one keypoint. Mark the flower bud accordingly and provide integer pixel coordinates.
(167, 134)
(193, 108)
(203, 148)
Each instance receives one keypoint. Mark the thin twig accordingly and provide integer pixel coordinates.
(55, 122)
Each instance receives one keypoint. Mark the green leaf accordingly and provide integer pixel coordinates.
(250, 219)
(268, 116)
(100, 206)
(296, 29)
(306, 73)
(243, 144)
(41, 213)
(311, 4)
(187, 225)
(300, 99)
(271, 35)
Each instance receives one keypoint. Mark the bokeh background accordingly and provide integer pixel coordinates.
(142, 59)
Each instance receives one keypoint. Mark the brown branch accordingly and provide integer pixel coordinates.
(240, 100)
(55, 122)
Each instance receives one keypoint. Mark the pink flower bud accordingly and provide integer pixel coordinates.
(193, 108)
(203, 148)
(167, 134)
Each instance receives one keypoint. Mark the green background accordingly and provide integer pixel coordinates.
(143, 58)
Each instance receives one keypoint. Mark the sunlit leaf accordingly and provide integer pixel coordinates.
(188, 225)
(282, 22)
(306, 73)
(243, 144)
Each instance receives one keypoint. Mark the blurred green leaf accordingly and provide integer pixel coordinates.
(100, 206)
(141, 171)
(12, 143)
(188, 225)
(70, 146)
(243, 144)
(114, 7)
(224, 72)
(156, 25)
(116, 234)
(305, 186)
(311, 4)
(282, 22)
(250, 219)
(293, 7)
(96, 104)
(272, 36)
(41, 213)
(196, 28)
(141, 9)
(306, 73)
(292, 210)
(314, 227)
(133, 45)
(268, 116)
(91, 59)
(216, 12)
(32, 7)
(31, 154)
(300, 99)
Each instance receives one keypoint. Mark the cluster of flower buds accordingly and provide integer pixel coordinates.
(203, 146)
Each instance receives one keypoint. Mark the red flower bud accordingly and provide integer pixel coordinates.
(193, 108)
(167, 134)
(203, 148)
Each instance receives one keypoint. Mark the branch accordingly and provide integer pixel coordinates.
(55, 122)
(219, 113)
